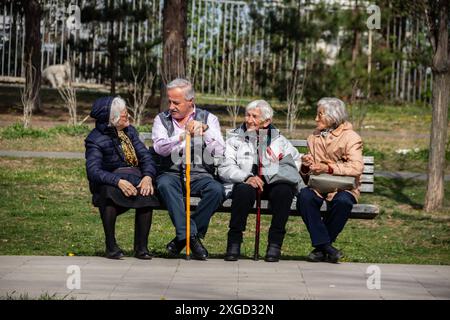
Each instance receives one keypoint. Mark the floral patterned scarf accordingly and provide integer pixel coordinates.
(128, 149)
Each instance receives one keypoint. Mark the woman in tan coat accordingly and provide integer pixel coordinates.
(336, 149)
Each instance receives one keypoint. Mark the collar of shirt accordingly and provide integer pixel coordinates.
(191, 116)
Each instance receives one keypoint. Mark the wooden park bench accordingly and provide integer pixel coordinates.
(359, 211)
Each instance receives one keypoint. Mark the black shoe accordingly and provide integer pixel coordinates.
(273, 253)
(317, 255)
(175, 246)
(233, 252)
(332, 254)
(199, 252)
(143, 254)
(116, 253)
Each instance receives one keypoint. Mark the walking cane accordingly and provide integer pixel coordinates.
(188, 196)
(258, 207)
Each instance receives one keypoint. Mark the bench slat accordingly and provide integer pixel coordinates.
(359, 211)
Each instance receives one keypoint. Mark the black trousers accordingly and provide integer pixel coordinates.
(243, 198)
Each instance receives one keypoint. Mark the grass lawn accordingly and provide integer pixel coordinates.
(45, 209)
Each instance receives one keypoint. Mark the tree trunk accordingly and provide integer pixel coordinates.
(32, 12)
(355, 50)
(174, 44)
(441, 89)
(435, 187)
(113, 47)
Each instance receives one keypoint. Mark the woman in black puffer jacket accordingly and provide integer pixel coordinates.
(120, 170)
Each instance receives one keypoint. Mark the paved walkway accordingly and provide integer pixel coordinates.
(174, 279)
(80, 155)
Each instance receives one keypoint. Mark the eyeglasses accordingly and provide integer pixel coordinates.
(320, 114)
(124, 115)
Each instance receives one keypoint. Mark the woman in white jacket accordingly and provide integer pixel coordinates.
(244, 174)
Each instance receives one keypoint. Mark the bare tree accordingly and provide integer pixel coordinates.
(295, 91)
(235, 92)
(174, 44)
(438, 12)
(32, 54)
(234, 108)
(140, 92)
(69, 95)
(28, 94)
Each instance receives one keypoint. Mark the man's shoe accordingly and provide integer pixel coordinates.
(174, 247)
(233, 252)
(273, 253)
(199, 252)
(317, 255)
(143, 254)
(116, 253)
(333, 254)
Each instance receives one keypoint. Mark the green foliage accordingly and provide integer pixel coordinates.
(79, 130)
(17, 131)
(144, 128)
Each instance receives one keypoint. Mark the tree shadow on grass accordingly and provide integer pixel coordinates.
(394, 189)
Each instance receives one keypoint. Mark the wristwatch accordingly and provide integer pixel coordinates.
(206, 127)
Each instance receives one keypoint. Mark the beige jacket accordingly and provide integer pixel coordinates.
(342, 150)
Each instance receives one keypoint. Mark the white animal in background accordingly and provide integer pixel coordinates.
(57, 75)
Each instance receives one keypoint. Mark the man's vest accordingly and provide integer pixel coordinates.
(198, 166)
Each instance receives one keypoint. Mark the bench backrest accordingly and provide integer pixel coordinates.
(367, 179)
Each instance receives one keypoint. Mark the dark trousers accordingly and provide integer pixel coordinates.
(171, 190)
(324, 230)
(142, 223)
(280, 198)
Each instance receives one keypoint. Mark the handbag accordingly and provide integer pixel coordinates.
(326, 183)
(287, 172)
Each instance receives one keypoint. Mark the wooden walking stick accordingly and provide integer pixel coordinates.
(188, 195)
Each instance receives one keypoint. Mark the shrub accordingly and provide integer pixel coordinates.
(17, 131)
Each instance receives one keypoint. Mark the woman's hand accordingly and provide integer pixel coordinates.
(307, 160)
(146, 186)
(319, 168)
(127, 188)
(255, 182)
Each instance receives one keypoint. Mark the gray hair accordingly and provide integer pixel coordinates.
(334, 110)
(184, 84)
(264, 106)
(117, 106)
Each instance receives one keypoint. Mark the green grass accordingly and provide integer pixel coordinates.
(25, 296)
(45, 209)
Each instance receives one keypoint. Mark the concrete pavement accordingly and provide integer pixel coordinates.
(173, 279)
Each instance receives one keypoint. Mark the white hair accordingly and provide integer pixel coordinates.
(117, 106)
(183, 84)
(264, 106)
(334, 110)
